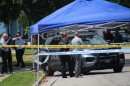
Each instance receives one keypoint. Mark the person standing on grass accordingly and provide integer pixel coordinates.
(77, 41)
(6, 54)
(20, 51)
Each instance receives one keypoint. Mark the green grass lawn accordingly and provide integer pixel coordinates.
(19, 79)
(29, 51)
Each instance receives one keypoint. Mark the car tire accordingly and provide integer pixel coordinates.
(49, 71)
(85, 71)
(46, 67)
(118, 68)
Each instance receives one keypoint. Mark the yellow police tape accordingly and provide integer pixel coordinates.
(67, 46)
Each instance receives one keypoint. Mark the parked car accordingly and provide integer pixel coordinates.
(90, 62)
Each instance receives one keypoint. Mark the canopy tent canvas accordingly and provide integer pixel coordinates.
(88, 12)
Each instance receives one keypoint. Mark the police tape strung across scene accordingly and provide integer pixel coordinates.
(87, 52)
(67, 46)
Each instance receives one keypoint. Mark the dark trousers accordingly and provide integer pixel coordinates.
(19, 57)
(66, 59)
(6, 60)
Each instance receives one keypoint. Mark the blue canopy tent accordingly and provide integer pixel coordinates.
(87, 12)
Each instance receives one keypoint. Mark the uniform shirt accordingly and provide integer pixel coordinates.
(20, 42)
(64, 42)
(76, 41)
(3, 42)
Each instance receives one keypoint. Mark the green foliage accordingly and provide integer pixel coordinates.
(9, 10)
(24, 22)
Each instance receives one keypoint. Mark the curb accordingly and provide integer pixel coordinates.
(2, 77)
(43, 76)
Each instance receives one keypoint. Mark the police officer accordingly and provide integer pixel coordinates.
(20, 51)
(65, 58)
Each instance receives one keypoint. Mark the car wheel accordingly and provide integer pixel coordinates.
(118, 68)
(47, 69)
(85, 71)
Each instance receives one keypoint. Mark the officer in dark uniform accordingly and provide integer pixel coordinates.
(20, 51)
(66, 58)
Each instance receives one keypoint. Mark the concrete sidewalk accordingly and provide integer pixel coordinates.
(2, 77)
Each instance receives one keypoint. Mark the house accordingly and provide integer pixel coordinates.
(12, 29)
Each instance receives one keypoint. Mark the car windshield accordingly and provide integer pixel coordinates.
(47, 42)
(92, 39)
(87, 39)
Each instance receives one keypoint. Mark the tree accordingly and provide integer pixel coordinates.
(24, 22)
(38, 9)
(35, 10)
(9, 10)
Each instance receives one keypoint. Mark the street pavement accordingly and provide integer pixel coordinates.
(95, 78)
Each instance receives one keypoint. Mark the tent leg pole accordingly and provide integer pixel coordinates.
(38, 61)
(33, 63)
(32, 51)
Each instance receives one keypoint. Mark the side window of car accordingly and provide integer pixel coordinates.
(55, 41)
